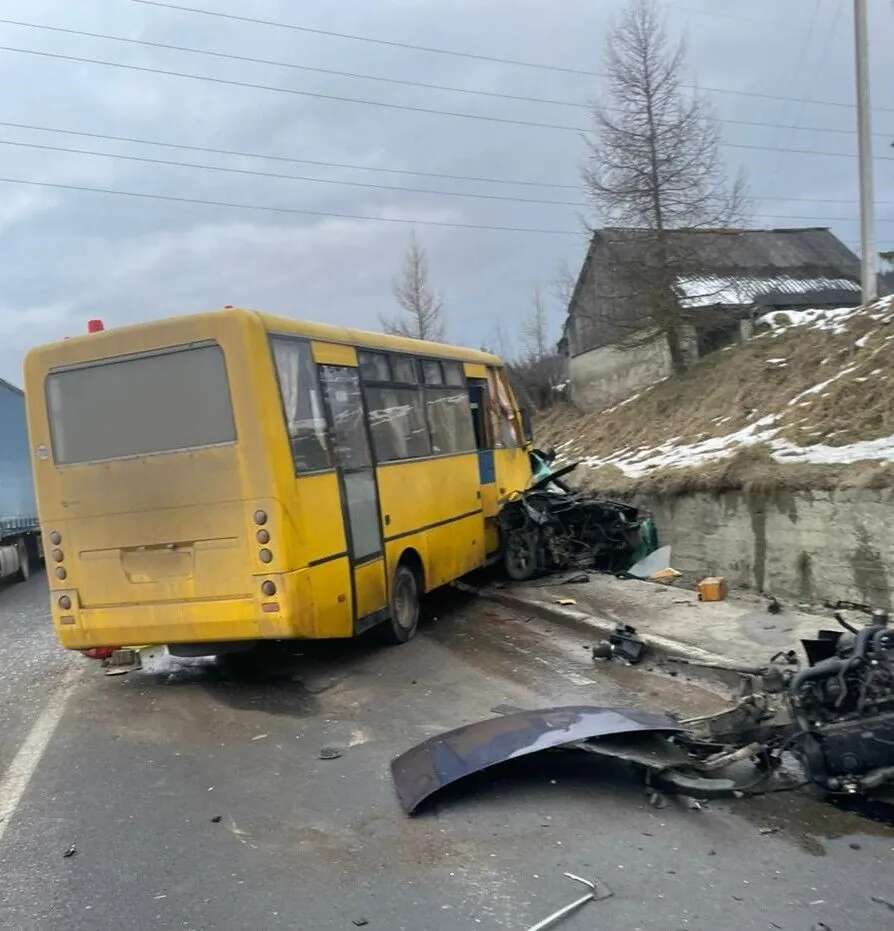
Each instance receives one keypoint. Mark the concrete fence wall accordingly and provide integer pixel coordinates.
(603, 377)
(804, 546)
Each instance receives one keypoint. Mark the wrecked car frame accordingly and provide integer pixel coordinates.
(835, 715)
(545, 529)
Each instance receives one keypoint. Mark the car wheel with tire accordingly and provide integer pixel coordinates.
(520, 555)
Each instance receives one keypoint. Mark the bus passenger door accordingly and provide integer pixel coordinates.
(478, 403)
(487, 476)
(359, 494)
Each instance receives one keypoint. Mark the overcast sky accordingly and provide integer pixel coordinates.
(69, 255)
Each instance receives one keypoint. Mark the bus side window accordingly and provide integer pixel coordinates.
(300, 393)
(502, 416)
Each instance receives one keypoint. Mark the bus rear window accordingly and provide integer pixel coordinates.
(133, 406)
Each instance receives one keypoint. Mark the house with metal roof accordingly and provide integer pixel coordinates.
(721, 281)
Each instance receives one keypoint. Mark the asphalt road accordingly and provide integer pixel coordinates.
(140, 764)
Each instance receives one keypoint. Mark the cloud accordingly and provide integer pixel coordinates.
(68, 256)
(20, 205)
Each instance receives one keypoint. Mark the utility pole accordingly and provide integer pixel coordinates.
(864, 136)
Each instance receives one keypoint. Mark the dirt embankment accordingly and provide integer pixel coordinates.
(806, 403)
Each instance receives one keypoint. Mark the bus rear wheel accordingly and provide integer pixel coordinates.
(404, 605)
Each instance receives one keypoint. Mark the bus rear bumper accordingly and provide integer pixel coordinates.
(293, 612)
(190, 622)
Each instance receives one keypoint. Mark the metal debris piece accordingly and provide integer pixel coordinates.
(596, 894)
(329, 753)
(623, 644)
(656, 561)
(216, 819)
(72, 850)
(446, 758)
(359, 922)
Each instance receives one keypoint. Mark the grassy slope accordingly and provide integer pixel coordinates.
(731, 389)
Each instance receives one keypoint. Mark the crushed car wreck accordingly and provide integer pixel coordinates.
(547, 529)
(835, 716)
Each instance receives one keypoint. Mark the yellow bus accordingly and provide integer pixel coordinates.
(231, 476)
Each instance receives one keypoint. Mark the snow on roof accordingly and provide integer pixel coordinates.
(708, 290)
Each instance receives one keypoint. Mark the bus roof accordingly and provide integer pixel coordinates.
(367, 338)
(72, 348)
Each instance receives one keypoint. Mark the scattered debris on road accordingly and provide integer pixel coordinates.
(71, 851)
(598, 892)
(712, 588)
(835, 716)
(623, 644)
(652, 564)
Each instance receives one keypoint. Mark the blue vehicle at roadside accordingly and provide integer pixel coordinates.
(20, 543)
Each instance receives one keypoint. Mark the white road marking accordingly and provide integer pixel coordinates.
(15, 780)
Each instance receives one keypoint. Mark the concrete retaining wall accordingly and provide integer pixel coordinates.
(804, 546)
(604, 376)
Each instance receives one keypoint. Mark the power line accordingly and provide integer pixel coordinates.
(137, 140)
(301, 211)
(377, 103)
(811, 200)
(770, 148)
(290, 159)
(379, 187)
(788, 216)
(358, 38)
(288, 64)
(283, 176)
(291, 90)
(289, 210)
(472, 55)
(227, 56)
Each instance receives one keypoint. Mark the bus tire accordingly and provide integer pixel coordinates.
(24, 572)
(404, 606)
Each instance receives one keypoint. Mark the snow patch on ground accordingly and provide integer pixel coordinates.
(686, 455)
(639, 462)
(816, 389)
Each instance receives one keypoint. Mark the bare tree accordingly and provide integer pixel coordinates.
(539, 370)
(535, 328)
(422, 311)
(563, 283)
(655, 165)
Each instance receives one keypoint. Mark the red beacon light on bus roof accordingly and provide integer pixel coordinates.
(95, 326)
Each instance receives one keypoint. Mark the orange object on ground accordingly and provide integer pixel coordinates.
(712, 589)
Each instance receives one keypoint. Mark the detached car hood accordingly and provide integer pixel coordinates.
(442, 760)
